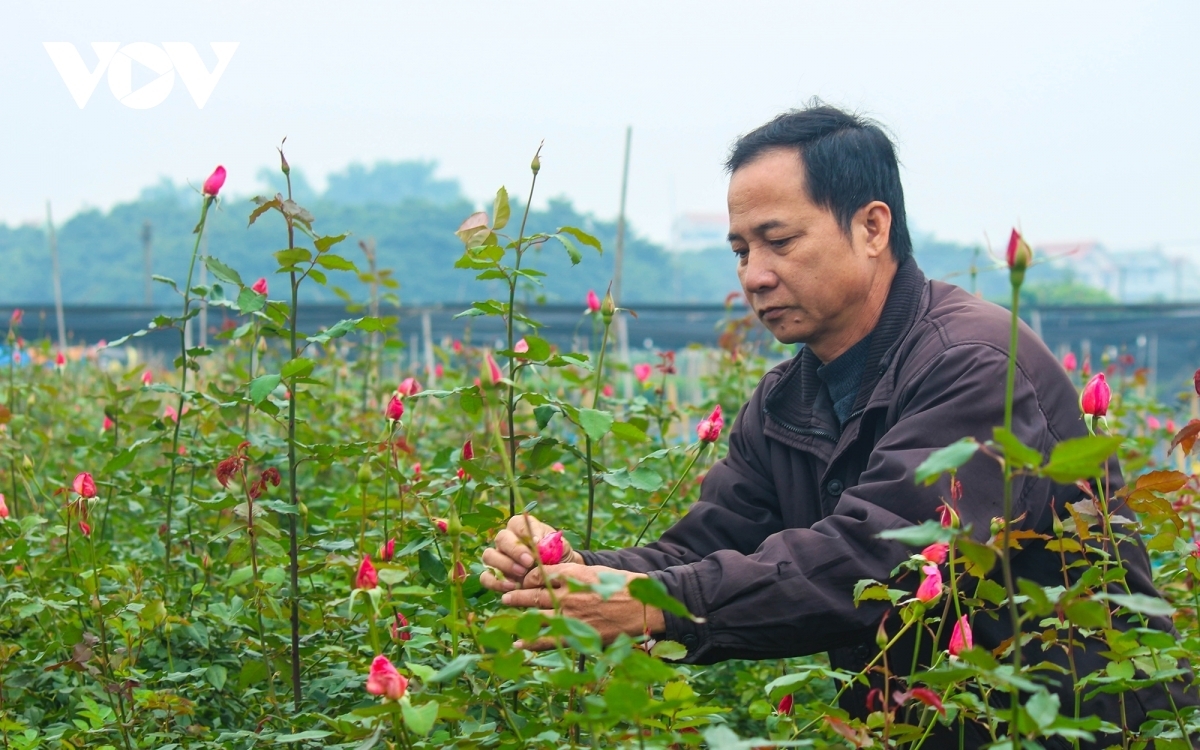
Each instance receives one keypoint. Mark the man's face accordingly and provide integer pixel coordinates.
(803, 276)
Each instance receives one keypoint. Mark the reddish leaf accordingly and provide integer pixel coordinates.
(1186, 438)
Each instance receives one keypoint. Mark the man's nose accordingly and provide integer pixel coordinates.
(757, 274)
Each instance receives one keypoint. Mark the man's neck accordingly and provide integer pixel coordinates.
(864, 320)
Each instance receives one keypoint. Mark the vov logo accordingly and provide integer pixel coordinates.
(117, 60)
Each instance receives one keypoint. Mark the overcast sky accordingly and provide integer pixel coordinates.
(1074, 120)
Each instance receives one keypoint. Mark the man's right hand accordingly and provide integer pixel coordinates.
(512, 558)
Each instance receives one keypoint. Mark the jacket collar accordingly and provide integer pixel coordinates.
(797, 401)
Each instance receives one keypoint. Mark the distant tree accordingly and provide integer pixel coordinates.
(391, 183)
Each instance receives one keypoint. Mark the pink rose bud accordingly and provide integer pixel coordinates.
(607, 391)
(1153, 423)
(60, 360)
(457, 346)
(438, 370)
(1170, 425)
(367, 577)
(1196, 381)
(521, 347)
(462, 475)
(397, 624)
(960, 638)
(442, 524)
(213, 184)
(460, 572)
(931, 586)
(593, 301)
(409, 387)
(84, 485)
(1096, 396)
(170, 413)
(17, 316)
(936, 552)
(785, 705)
(709, 428)
(1069, 362)
(260, 287)
(395, 409)
(108, 424)
(494, 374)
(416, 471)
(147, 377)
(557, 466)
(550, 548)
(384, 680)
(387, 552)
(1019, 253)
(84, 528)
(642, 372)
(467, 451)
(3, 507)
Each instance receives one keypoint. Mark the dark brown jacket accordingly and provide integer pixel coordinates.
(787, 522)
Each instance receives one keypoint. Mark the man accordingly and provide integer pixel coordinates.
(821, 459)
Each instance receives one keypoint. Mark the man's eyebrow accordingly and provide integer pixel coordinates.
(759, 230)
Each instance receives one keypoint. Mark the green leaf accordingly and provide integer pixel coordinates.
(652, 592)
(335, 263)
(582, 236)
(222, 271)
(249, 301)
(595, 423)
(1080, 458)
(539, 349)
(216, 675)
(645, 479)
(240, 576)
(500, 210)
(1016, 453)
(1151, 606)
(572, 251)
(945, 459)
(629, 433)
(289, 258)
(543, 414)
(918, 536)
(1085, 613)
(262, 386)
(419, 719)
(454, 668)
(669, 650)
(120, 461)
(1042, 707)
(324, 243)
(337, 330)
(299, 367)
(252, 672)
(309, 734)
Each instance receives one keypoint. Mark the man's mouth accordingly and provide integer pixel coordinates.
(771, 313)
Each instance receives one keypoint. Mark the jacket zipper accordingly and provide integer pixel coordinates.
(824, 434)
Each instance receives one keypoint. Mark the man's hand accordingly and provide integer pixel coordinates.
(620, 613)
(513, 557)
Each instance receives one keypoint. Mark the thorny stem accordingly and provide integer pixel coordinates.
(1006, 551)
(679, 482)
(183, 369)
(587, 444)
(104, 644)
(512, 361)
(293, 551)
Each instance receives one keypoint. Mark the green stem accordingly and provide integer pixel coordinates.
(293, 546)
(1010, 588)
(512, 361)
(187, 303)
(691, 462)
(587, 444)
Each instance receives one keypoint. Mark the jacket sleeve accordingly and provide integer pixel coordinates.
(793, 594)
(738, 506)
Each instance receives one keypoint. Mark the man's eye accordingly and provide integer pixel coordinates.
(741, 252)
(779, 243)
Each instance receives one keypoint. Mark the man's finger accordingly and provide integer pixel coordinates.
(508, 543)
(503, 563)
(556, 574)
(527, 598)
(493, 583)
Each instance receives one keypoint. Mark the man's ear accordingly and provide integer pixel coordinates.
(872, 225)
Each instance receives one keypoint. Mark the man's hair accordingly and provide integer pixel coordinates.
(848, 162)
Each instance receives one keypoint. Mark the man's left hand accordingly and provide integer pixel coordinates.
(620, 613)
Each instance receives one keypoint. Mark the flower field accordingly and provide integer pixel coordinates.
(277, 540)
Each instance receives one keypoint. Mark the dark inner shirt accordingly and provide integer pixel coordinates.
(842, 377)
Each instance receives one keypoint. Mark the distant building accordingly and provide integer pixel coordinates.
(1130, 276)
(699, 231)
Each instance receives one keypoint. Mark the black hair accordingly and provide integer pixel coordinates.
(848, 162)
